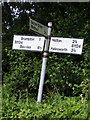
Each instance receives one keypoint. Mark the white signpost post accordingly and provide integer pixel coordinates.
(45, 56)
(57, 44)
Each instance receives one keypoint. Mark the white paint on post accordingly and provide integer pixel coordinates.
(39, 98)
(42, 80)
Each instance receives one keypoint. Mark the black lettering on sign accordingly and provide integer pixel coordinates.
(56, 40)
(39, 39)
(74, 41)
(33, 27)
(73, 50)
(59, 49)
(39, 47)
(21, 46)
(18, 42)
(79, 46)
(28, 47)
(40, 26)
(76, 45)
(44, 32)
(29, 39)
(34, 23)
(21, 38)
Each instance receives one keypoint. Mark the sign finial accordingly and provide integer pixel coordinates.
(50, 24)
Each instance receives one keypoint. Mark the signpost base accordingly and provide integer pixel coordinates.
(54, 44)
(42, 80)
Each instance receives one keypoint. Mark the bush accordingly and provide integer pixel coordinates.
(66, 74)
(51, 107)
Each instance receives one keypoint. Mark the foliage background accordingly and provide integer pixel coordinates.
(67, 76)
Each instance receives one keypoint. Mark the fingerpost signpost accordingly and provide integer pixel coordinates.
(46, 44)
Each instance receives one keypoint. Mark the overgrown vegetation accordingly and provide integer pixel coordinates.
(54, 106)
(65, 94)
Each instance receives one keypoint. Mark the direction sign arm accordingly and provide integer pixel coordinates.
(38, 27)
